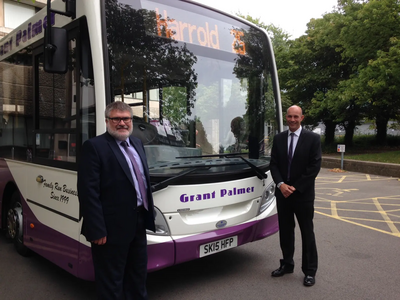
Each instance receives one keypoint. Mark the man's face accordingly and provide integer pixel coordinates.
(119, 130)
(293, 118)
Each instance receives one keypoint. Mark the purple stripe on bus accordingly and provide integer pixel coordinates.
(5, 177)
(68, 253)
(188, 248)
(162, 255)
(64, 251)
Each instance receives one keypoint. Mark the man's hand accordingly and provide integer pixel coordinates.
(101, 241)
(287, 190)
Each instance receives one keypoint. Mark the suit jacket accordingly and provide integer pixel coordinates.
(306, 163)
(107, 193)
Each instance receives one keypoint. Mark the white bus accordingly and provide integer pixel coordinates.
(204, 91)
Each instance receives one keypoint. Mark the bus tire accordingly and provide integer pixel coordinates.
(15, 221)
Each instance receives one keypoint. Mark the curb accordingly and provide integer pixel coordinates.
(367, 167)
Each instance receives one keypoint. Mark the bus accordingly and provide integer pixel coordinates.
(204, 91)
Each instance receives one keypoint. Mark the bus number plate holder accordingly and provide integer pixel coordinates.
(218, 246)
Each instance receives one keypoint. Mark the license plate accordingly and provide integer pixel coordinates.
(218, 246)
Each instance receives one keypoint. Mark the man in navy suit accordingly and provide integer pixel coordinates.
(116, 206)
(295, 163)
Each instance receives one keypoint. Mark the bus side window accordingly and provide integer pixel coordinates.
(16, 102)
(57, 118)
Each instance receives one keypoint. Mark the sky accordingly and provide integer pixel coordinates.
(290, 15)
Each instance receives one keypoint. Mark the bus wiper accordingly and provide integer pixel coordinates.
(163, 184)
(260, 174)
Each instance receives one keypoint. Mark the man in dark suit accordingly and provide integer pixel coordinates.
(117, 206)
(295, 163)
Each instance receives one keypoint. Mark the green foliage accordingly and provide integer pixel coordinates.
(370, 45)
(363, 144)
(392, 157)
(278, 36)
(345, 69)
(175, 105)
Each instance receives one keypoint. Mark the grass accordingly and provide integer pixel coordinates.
(365, 148)
(392, 157)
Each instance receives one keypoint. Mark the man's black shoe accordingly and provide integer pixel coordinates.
(282, 271)
(309, 280)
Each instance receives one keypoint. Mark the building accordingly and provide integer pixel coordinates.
(15, 12)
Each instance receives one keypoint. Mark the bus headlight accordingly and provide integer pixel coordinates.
(267, 197)
(161, 224)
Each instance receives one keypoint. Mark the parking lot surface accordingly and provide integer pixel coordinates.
(365, 200)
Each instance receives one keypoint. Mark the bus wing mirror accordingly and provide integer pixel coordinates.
(56, 52)
(70, 8)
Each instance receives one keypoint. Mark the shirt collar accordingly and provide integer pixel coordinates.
(297, 132)
(119, 142)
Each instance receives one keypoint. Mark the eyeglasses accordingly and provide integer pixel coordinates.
(118, 120)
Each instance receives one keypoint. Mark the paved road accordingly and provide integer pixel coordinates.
(357, 224)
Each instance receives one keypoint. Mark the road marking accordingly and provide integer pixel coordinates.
(336, 192)
(334, 209)
(389, 222)
(368, 220)
(378, 211)
(322, 181)
(362, 225)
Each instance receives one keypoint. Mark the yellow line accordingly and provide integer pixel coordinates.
(351, 210)
(369, 199)
(393, 206)
(330, 181)
(369, 220)
(338, 210)
(334, 209)
(392, 227)
(369, 227)
(368, 177)
(341, 179)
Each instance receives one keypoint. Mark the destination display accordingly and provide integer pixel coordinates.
(181, 25)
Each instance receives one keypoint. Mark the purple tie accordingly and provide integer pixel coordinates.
(138, 174)
(290, 154)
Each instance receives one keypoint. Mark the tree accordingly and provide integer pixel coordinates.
(345, 68)
(313, 69)
(369, 41)
(380, 80)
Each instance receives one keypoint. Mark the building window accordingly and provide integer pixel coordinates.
(15, 13)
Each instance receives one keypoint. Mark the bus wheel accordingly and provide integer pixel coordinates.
(15, 222)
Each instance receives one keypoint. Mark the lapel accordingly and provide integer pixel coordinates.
(285, 148)
(286, 141)
(120, 156)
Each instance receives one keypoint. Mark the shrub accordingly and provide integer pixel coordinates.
(363, 144)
